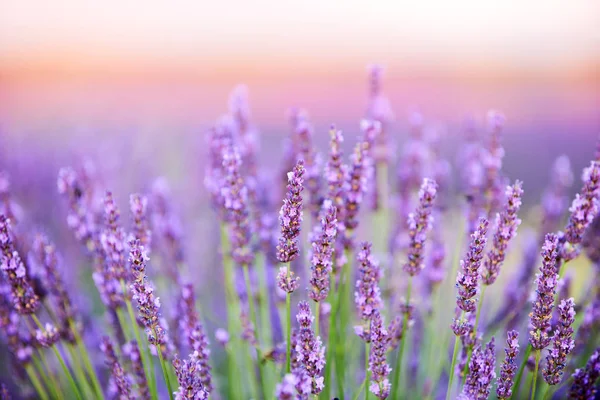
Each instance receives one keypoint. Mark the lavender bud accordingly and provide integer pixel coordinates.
(287, 282)
(543, 303)
(190, 384)
(139, 212)
(309, 349)
(509, 366)
(287, 388)
(222, 336)
(481, 372)
(322, 252)
(357, 186)
(468, 277)
(506, 228)
(290, 215)
(380, 340)
(563, 342)
(585, 206)
(584, 379)
(48, 336)
(367, 296)
(419, 223)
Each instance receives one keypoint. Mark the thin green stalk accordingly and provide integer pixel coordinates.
(79, 371)
(123, 324)
(36, 382)
(397, 373)
(330, 341)
(342, 310)
(367, 373)
(360, 389)
(515, 387)
(535, 373)
(452, 366)
(254, 321)
(144, 350)
(52, 383)
(61, 361)
(86, 359)
(164, 368)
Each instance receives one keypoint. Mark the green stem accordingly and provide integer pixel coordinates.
(398, 373)
(535, 373)
(342, 310)
(288, 329)
(254, 321)
(330, 341)
(163, 367)
(515, 387)
(367, 373)
(36, 382)
(86, 360)
(79, 371)
(452, 366)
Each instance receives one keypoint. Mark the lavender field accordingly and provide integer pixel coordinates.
(401, 258)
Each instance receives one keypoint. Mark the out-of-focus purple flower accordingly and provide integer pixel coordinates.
(481, 372)
(113, 243)
(378, 366)
(290, 215)
(554, 199)
(322, 253)
(396, 327)
(507, 223)
(563, 342)
(132, 352)
(287, 388)
(309, 349)
(492, 163)
(367, 295)
(138, 205)
(313, 163)
(509, 366)
(222, 336)
(194, 333)
(235, 195)
(121, 379)
(248, 331)
(585, 206)
(19, 346)
(584, 379)
(4, 393)
(357, 181)
(48, 336)
(379, 108)
(419, 223)
(24, 298)
(148, 304)
(336, 173)
(435, 261)
(468, 277)
(591, 242)
(543, 303)
(589, 325)
(190, 383)
(45, 253)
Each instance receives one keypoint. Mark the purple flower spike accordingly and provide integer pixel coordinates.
(309, 349)
(290, 215)
(506, 229)
(547, 280)
(313, 164)
(121, 379)
(139, 211)
(132, 352)
(585, 206)
(481, 373)
(584, 379)
(113, 239)
(357, 186)
(322, 252)
(380, 340)
(287, 282)
(563, 342)
(335, 173)
(148, 304)
(367, 296)
(509, 366)
(419, 223)
(24, 298)
(468, 277)
(190, 384)
(48, 336)
(287, 388)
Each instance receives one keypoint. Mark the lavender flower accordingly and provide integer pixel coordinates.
(287, 388)
(190, 384)
(287, 281)
(313, 181)
(357, 181)
(45, 253)
(419, 224)
(585, 206)
(4, 394)
(322, 252)
(554, 199)
(492, 162)
(48, 336)
(468, 277)
(235, 196)
(367, 296)
(506, 228)
(584, 379)
(481, 372)
(509, 366)
(132, 352)
(309, 349)
(546, 281)
(563, 342)
(290, 215)
(167, 226)
(24, 298)
(139, 211)
(120, 377)
(380, 339)
(148, 304)
(222, 336)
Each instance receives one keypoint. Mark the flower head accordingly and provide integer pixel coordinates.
(190, 384)
(322, 253)
(584, 379)
(563, 342)
(380, 339)
(468, 277)
(509, 366)
(481, 372)
(367, 295)
(585, 206)
(290, 215)
(310, 352)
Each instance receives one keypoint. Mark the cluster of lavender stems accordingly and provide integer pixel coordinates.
(114, 308)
